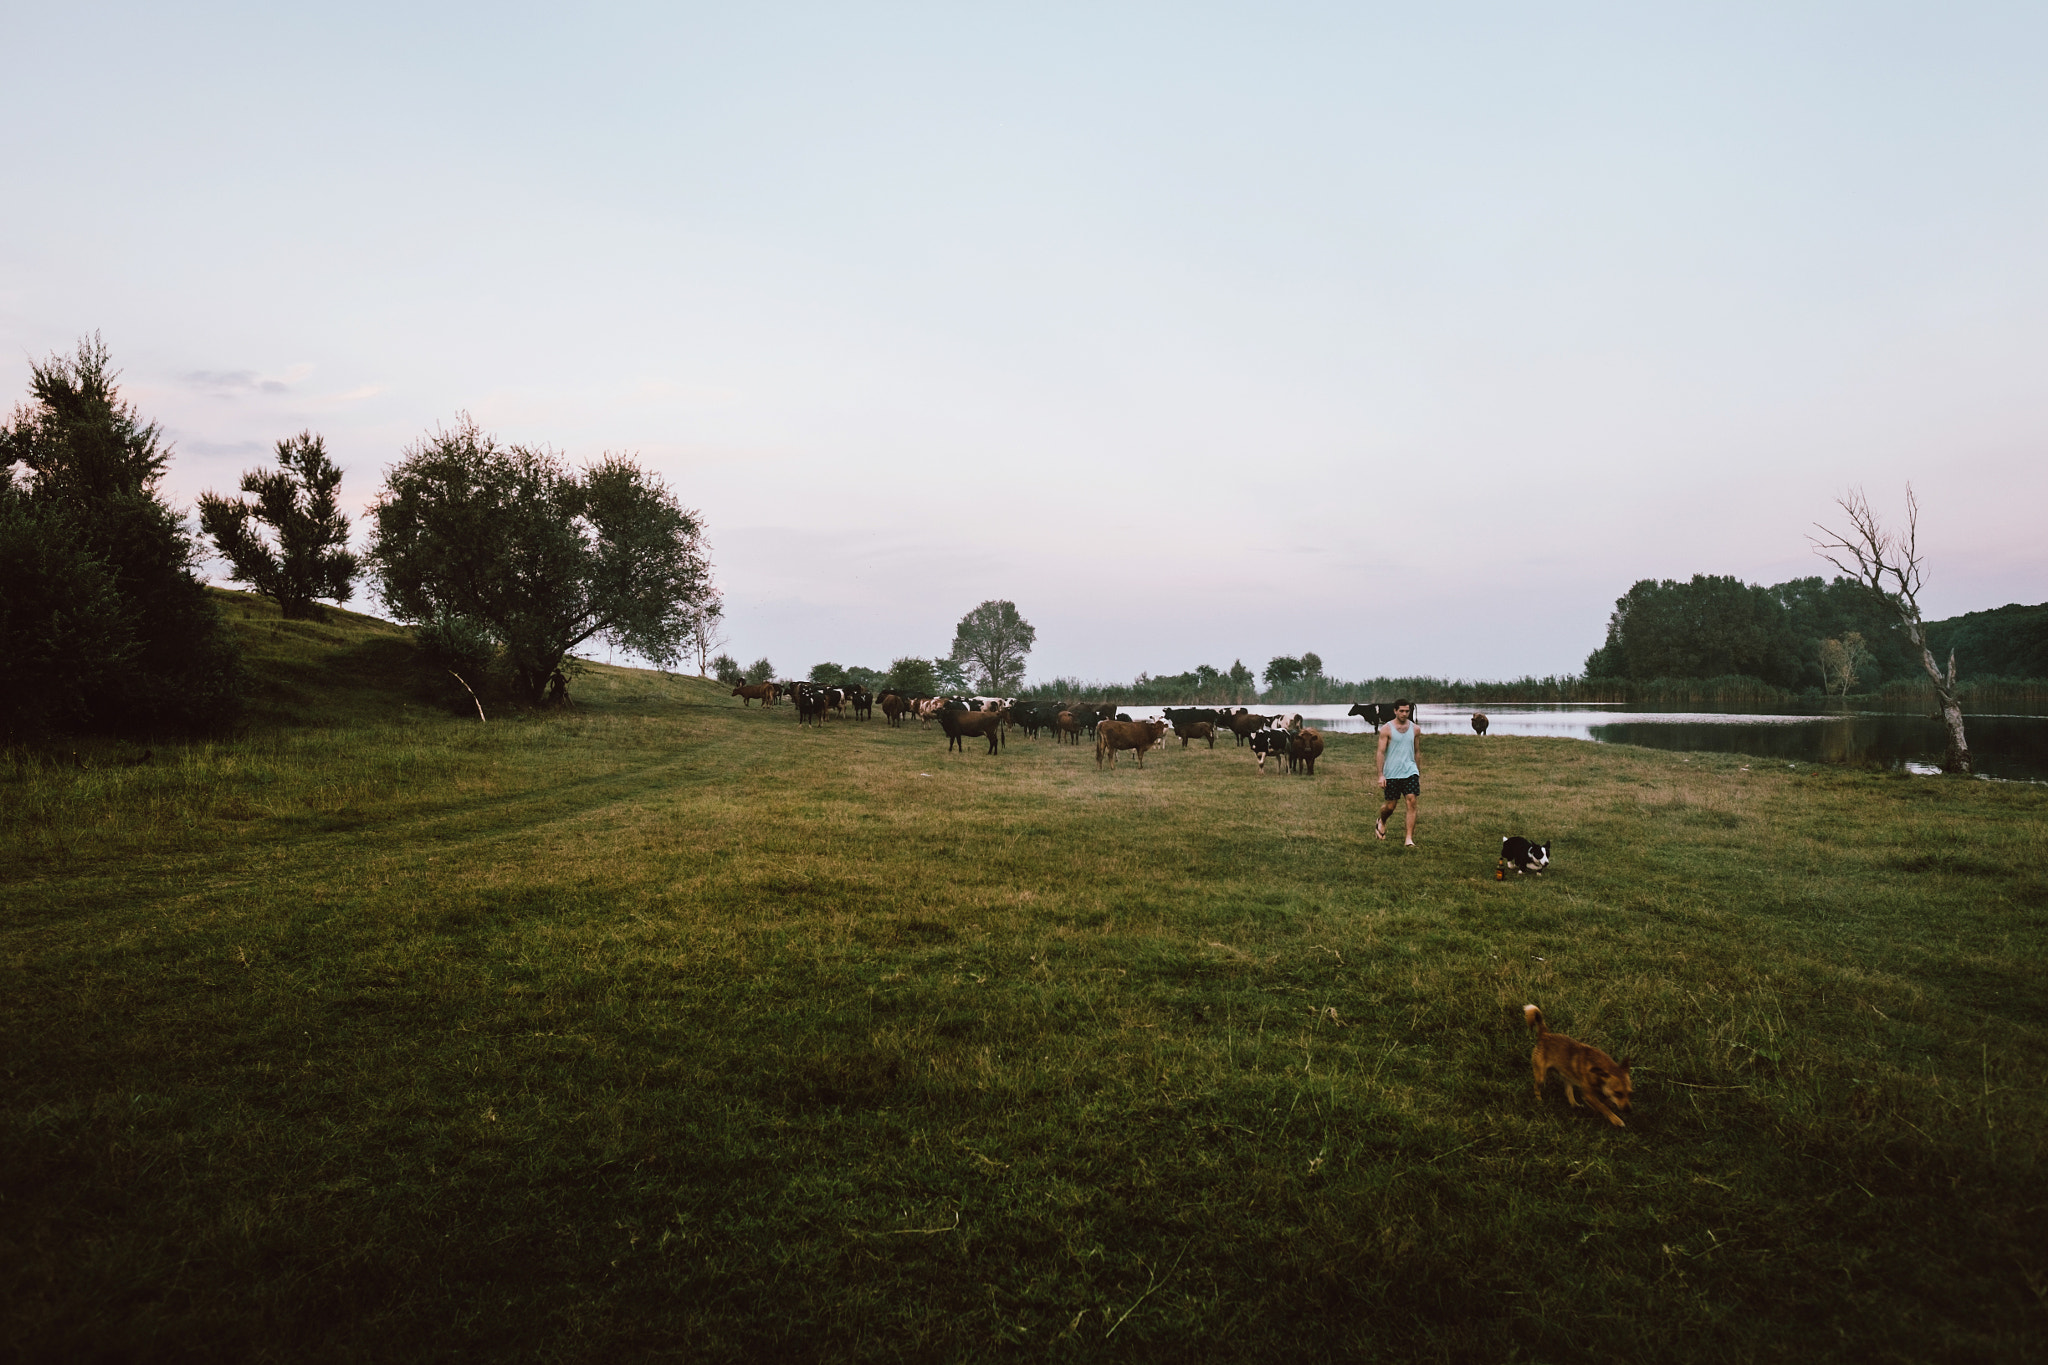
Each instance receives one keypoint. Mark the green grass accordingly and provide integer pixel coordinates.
(667, 1027)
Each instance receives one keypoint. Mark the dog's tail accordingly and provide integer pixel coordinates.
(1535, 1018)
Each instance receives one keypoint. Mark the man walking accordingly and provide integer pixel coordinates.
(1399, 775)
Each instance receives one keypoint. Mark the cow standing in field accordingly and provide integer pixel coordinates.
(1196, 729)
(1479, 722)
(1066, 729)
(1243, 723)
(960, 725)
(893, 708)
(811, 704)
(1376, 713)
(1303, 750)
(1136, 735)
(749, 693)
(1273, 744)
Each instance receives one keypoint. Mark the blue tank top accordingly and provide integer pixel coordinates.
(1400, 752)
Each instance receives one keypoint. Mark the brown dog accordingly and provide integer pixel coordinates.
(1586, 1068)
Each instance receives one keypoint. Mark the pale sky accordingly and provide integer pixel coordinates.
(1410, 335)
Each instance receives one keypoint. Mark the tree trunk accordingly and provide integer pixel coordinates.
(1957, 759)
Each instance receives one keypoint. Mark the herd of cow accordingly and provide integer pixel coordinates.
(991, 718)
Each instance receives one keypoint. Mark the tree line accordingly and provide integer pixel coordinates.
(504, 559)
(990, 644)
(1806, 635)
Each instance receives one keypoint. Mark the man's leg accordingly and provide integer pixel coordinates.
(1386, 809)
(1411, 817)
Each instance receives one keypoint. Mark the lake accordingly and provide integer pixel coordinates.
(2014, 747)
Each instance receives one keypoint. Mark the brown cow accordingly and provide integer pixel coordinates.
(1138, 735)
(1244, 722)
(1197, 729)
(959, 725)
(1478, 722)
(1066, 729)
(893, 707)
(1303, 751)
(749, 692)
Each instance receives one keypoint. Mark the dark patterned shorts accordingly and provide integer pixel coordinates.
(1404, 786)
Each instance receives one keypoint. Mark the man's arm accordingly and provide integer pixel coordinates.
(1418, 745)
(1381, 757)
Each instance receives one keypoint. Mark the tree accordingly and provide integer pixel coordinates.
(1241, 680)
(727, 670)
(912, 677)
(950, 674)
(62, 635)
(991, 642)
(1282, 670)
(105, 627)
(707, 628)
(296, 501)
(760, 671)
(1888, 564)
(541, 556)
(1840, 661)
(1711, 627)
(828, 675)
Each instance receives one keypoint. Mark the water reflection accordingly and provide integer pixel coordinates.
(2001, 746)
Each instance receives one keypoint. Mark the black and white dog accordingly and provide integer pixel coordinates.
(1521, 855)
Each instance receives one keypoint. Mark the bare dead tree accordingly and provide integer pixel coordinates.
(1888, 564)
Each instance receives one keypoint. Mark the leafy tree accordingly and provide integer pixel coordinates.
(296, 501)
(912, 677)
(951, 675)
(1312, 665)
(61, 629)
(1711, 627)
(856, 676)
(828, 675)
(760, 671)
(1283, 670)
(542, 557)
(99, 587)
(1241, 680)
(991, 643)
(727, 670)
(1840, 662)
(2010, 641)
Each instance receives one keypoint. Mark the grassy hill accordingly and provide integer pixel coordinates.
(664, 1026)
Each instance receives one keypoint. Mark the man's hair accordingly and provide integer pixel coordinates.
(1400, 702)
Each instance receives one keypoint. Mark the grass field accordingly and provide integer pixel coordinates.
(669, 1028)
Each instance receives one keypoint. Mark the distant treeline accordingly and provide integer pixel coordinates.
(1717, 627)
(1711, 642)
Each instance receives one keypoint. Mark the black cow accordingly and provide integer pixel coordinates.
(811, 703)
(1479, 722)
(1030, 717)
(1194, 715)
(1376, 713)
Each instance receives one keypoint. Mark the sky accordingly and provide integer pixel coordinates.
(1408, 335)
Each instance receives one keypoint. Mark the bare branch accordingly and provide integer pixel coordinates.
(1889, 565)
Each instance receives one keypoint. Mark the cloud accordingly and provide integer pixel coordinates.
(221, 447)
(234, 383)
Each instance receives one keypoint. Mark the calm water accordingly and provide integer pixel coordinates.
(2002, 746)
